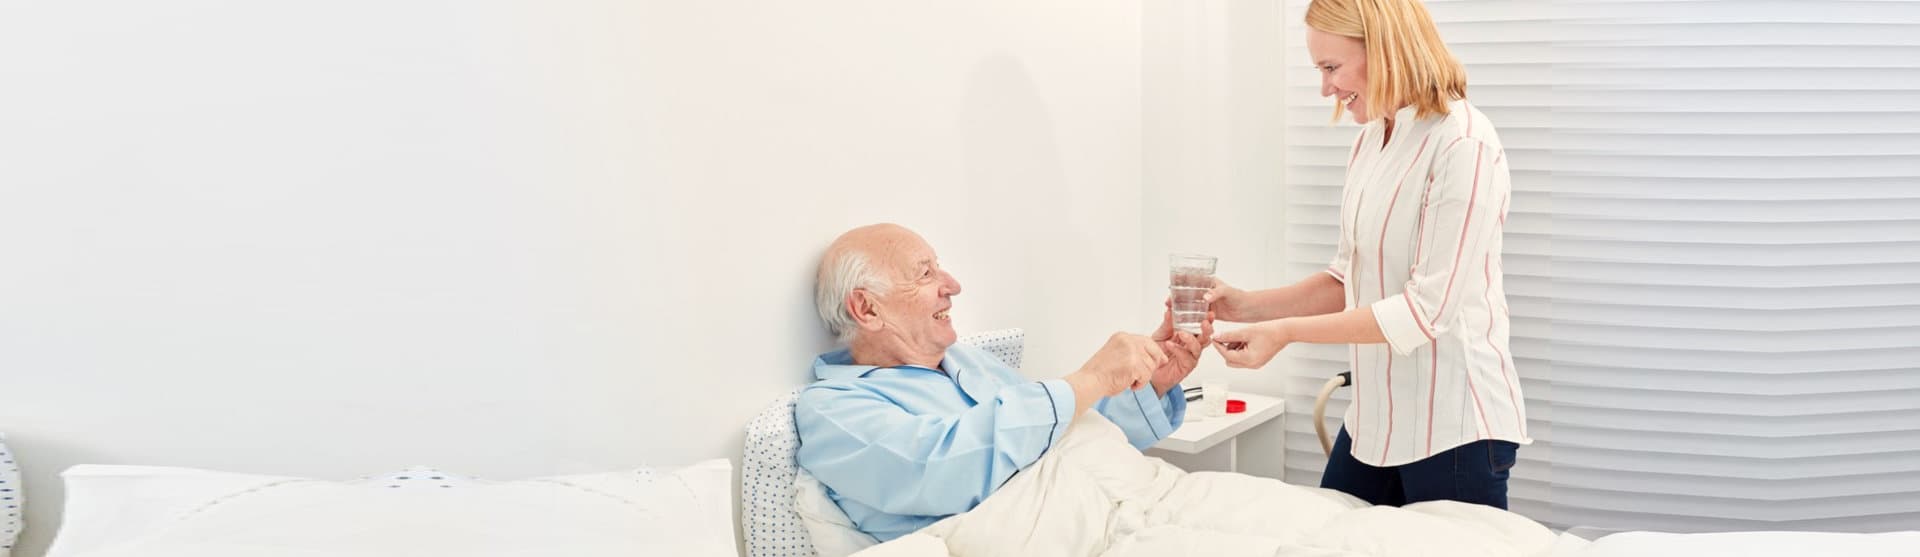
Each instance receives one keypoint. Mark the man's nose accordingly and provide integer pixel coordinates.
(953, 285)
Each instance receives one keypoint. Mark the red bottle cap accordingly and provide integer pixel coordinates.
(1235, 406)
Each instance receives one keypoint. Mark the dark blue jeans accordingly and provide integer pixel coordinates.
(1472, 473)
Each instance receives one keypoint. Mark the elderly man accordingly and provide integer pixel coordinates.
(905, 427)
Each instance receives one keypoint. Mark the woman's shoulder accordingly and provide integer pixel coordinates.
(1464, 123)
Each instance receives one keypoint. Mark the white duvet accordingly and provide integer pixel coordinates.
(1094, 494)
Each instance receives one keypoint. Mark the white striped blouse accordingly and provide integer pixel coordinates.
(1420, 237)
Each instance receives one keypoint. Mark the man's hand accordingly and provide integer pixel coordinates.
(1183, 351)
(1125, 363)
(1253, 346)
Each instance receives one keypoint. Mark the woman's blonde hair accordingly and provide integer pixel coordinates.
(1407, 64)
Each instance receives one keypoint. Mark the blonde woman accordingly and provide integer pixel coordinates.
(1416, 285)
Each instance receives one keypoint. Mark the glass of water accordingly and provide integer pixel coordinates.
(1190, 276)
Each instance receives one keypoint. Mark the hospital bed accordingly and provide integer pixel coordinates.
(771, 514)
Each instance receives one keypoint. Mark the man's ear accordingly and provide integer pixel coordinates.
(860, 305)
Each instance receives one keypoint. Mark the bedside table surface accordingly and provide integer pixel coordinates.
(1202, 433)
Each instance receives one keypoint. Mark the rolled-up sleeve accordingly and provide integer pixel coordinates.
(1457, 227)
(868, 449)
(1145, 417)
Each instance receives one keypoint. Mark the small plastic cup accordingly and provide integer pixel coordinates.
(1213, 398)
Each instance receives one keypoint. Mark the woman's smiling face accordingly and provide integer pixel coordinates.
(1342, 62)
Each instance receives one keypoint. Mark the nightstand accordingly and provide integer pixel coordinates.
(1198, 443)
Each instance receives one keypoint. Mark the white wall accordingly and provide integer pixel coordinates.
(1214, 125)
(513, 238)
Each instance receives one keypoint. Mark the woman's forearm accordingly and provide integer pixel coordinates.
(1355, 326)
(1317, 294)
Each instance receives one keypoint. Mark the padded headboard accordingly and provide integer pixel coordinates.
(767, 467)
(12, 501)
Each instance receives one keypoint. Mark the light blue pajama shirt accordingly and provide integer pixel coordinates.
(899, 448)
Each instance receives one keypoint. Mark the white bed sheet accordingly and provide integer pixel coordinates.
(1747, 544)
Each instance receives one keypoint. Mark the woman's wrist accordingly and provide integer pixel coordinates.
(1281, 330)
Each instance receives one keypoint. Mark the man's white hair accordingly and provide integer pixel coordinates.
(840, 274)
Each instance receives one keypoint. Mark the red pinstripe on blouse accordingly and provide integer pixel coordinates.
(1465, 223)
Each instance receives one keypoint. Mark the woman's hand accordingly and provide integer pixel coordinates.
(1230, 304)
(1252, 347)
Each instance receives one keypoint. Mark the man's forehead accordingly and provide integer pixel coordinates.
(894, 248)
(909, 255)
(913, 256)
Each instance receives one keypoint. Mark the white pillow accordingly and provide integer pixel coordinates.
(12, 500)
(833, 534)
(137, 511)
